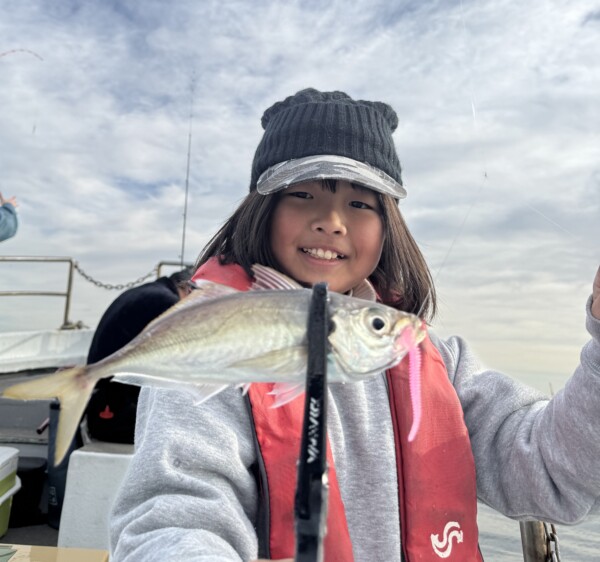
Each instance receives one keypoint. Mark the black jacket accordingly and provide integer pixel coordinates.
(112, 408)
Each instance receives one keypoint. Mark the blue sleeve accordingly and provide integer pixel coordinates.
(8, 221)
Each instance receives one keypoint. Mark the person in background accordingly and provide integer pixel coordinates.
(8, 217)
(111, 412)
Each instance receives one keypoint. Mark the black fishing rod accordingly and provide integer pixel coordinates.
(312, 487)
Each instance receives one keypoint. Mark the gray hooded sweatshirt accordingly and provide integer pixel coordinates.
(190, 493)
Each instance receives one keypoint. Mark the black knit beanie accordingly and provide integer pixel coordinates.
(312, 123)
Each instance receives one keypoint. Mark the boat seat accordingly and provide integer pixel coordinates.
(93, 479)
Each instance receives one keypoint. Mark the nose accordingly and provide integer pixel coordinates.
(330, 221)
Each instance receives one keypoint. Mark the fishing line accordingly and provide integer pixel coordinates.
(187, 173)
(484, 181)
(475, 126)
(547, 218)
(475, 199)
(13, 51)
(34, 54)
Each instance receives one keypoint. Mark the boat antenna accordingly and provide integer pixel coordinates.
(187, 173)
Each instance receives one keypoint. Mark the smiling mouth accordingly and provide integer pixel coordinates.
(321, 254)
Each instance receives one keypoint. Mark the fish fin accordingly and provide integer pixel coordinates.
(200, 392)
(145, 380)
(289, 361)
(365, 291)
(266, 279)
(285, 392)
(204, 290)
(73, 388)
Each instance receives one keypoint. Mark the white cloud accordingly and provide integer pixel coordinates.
(497, 137)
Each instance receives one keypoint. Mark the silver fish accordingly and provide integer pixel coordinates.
(217, 337)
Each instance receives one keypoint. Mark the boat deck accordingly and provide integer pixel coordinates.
(34, 535)
(24, 356)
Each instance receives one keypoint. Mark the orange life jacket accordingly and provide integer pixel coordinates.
(436, 471)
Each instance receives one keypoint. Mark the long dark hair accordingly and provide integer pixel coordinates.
(402, 278)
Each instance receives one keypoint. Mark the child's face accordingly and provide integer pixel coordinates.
(317, 235)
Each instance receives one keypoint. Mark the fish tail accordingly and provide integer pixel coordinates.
(73, 388)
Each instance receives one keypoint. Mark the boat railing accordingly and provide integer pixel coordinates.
(539, 541)
(72, 265)
(66, 294)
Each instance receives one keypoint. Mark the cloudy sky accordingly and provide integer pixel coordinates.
(498, 139)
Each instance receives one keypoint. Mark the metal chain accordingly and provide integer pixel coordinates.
(111, 287)
(552, 543)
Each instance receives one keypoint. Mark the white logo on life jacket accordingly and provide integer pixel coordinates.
(443, 548)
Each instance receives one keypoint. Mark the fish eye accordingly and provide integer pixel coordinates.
(378, 324)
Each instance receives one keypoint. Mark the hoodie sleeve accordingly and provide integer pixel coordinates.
(535, 458)
(189, 488)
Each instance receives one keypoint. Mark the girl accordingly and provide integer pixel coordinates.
(216, 481)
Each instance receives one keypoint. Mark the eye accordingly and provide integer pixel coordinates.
(378, 323)
(300, 194)
(360, 205)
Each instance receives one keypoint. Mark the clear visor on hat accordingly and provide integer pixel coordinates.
(322, 167)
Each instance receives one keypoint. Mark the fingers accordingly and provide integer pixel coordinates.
(596, 295)
(12, 200)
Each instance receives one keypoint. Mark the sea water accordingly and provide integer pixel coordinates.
(500, 538)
